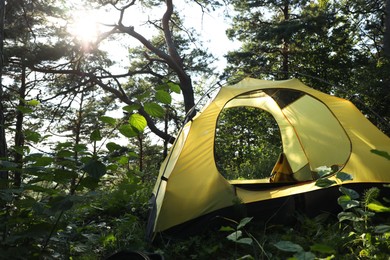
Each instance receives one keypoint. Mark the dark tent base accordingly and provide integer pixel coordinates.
(276, 211)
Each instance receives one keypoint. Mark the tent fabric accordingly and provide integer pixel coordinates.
(282, 171)
(316, 129)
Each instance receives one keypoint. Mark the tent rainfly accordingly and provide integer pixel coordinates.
(316, 129)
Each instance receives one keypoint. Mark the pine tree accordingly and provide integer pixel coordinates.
(336, 47)
(28, 40)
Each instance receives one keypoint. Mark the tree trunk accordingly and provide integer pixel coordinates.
(166, 124)
(386, 44)
(176, 62)
(188, 94)
(19, 136)
(3, 140)
(77, 133)
(141, 153)
(286, 43)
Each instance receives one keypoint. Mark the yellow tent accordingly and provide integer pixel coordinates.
(316, 129)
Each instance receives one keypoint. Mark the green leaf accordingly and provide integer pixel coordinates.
(127, 130)
(384, 154)
(378, 207)
(80, 147)
(245, 240)
(162, 86)
(346, 203)
(33, 103)
(8, 165)
(24, 109)
(324, 171)
(60, 203)
(243, 222)
(26, 202)
(91, 236)
(144, 95)
(85, 159)
(43, 161)
(226, 228)
(364, 213)
(108, 120)
(321, 248)
(35, 230)
(381, 229)
(89, 182)
(64, 153)
(111, 146)
(288, 246)
(95, 169)
(154, 109)
(109, 240)
(95, 135)
(21, 149)
(63, 176)
(174, 87)
(138, 122)
(323, 183)
(349, 192)
(132, 154)
(164, 97)
(348, 216)
(8, 195)
(32, 136)
(123, 160)
(81, 248)
(131, 108)
(304, 256)
(235, 236)
(112, 167)
(344, 176)
(36, 188)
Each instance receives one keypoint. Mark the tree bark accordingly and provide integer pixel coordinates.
(141, 153)
(19, 136)
(386, 47)
(172, 57)
(184, 78)
(3, 140)
(77, 133)
(166, 125)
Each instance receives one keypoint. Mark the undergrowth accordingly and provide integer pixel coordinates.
(357, 232)
(39, 222)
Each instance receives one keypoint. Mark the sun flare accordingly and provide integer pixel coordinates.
(84, 26)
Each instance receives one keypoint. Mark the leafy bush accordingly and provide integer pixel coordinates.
(71, 208)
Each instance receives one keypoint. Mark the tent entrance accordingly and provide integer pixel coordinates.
(280, 135)
(247, 143)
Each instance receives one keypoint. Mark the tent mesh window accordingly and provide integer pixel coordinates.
(284, 97)
(247, 143)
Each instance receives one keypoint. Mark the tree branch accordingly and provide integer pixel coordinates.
(120, 94)
(124, 98)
